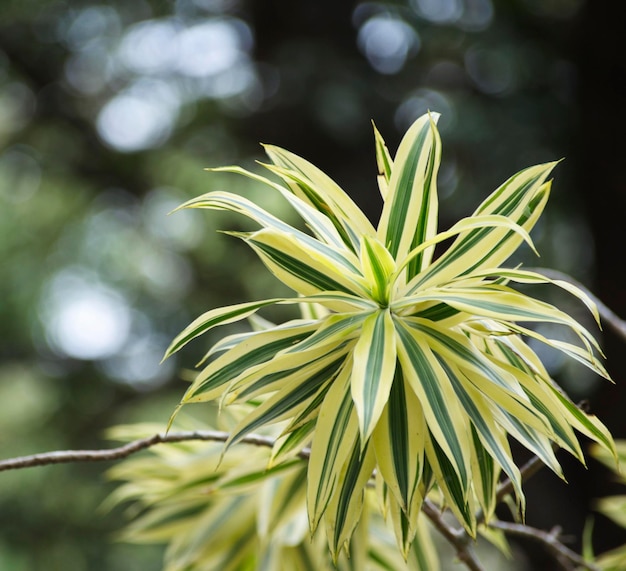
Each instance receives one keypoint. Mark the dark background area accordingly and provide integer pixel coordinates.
(110, 111)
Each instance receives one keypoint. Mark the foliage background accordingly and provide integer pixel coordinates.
(110, 111)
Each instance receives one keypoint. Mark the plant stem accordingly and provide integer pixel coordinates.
(67, 456)
(550, 540)
(456, 537)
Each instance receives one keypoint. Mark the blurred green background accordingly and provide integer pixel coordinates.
(110, 111)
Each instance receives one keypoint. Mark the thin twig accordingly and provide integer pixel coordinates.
(67, 456)
(548, 539)
(456, 537)
(617, 324)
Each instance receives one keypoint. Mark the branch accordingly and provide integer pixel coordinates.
(458, 538)
(67, 456)
(617, 324)
(551, 542)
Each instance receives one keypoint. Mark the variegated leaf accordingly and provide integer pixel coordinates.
(373, 370)
(409, 214)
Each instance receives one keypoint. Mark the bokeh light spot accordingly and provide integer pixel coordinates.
(139, 362)
(387, 42)
(89, 25)
(477, 15)
(83, 318)
(490, 70)
(439, 11)
(421, 101)
(210, 48)
(180, 231)
(140, 118)
(151, 46)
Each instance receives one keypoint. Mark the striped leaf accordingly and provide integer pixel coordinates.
(373, 370)
(318, 189)
(384, 163)
(292, 397)
(409, 214)
(491, 436)
(522, 199)
(499, 303)
(291, 443)
(258, 349)
(234, 203)
(337, 430)
(452, 488)
(488, 472)
(531, 277)
(287, 365)
(344, 508)
(462, 227)
(303, 268)
(378, 265)
(213, 318)
(399, 444)
(317, 221)
(441, 408)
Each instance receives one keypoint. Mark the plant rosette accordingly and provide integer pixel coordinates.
(406, 372)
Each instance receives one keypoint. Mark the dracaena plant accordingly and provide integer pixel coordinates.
(408, 371)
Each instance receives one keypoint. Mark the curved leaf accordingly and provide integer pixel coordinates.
(409, 214)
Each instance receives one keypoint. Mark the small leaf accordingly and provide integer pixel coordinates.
(213, 318)
(409, 214)
(373, 370)
(384, 163)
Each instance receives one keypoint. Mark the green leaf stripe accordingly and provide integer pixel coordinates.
(351, 490)
(335, 329)
(486, 431)
(230, 365)
(426, 208)
(416, 362)
(383, 158)
(399, 431)
(487, 472)
(218, 316)
(373, 370)
(404, 193)
(460, 348)
(272, 381)
(323, 468)
(437, 312)
(292, 442)
(452, 486)
(299, 269)
(473, 238)
(288, 398)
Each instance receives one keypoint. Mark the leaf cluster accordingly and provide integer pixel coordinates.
(406, 368)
